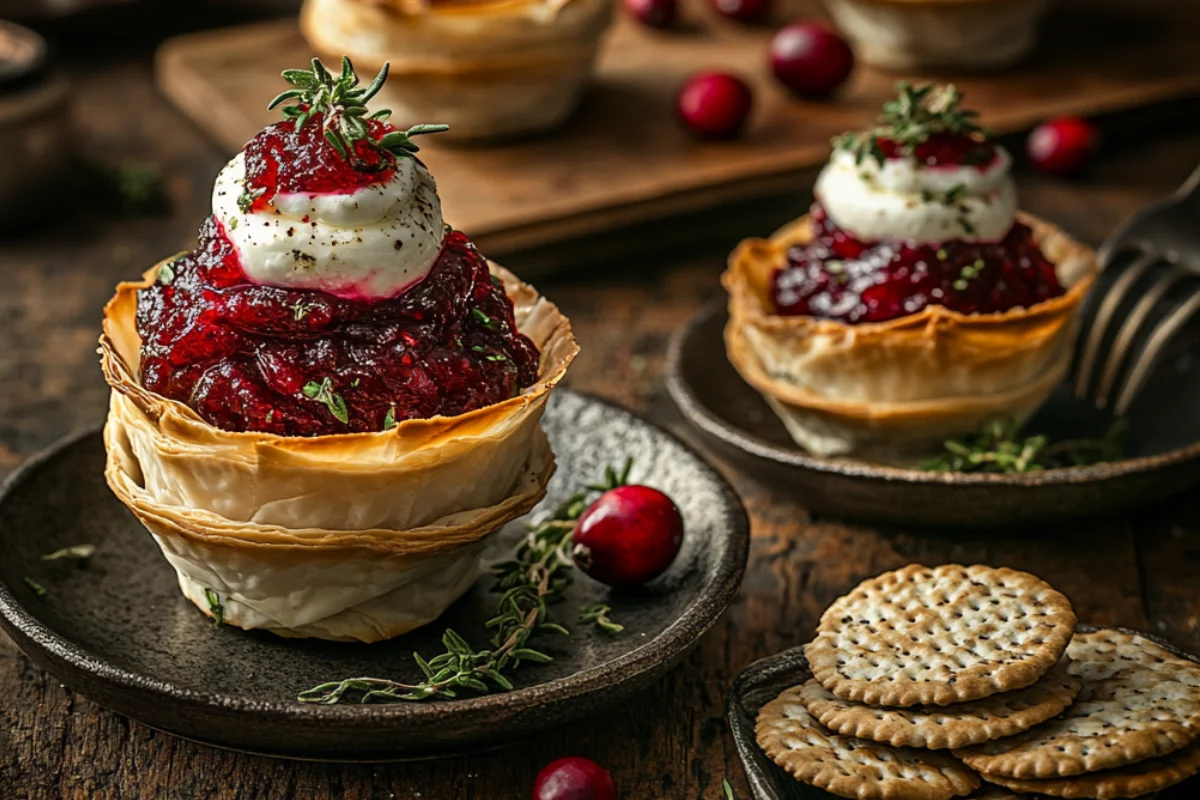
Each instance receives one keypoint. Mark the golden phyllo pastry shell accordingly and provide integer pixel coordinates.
(356, 536)
(892, 390)
(487, 68)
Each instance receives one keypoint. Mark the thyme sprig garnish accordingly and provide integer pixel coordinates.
(917, 113)
(77, 552)
(598, 615)
(342, 104)
(323, 393)
(535, 577)
(215, 607)
(999, 448)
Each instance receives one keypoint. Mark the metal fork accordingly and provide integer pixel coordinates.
(1147, 293)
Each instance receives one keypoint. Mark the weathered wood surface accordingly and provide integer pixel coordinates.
(672, 742)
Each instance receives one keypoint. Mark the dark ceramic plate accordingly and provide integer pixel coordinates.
(1163, 445)
(765, 679)
(119, 631)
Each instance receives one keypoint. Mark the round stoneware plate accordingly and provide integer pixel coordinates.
(118, 630)
(764, 680)
(1162, 443)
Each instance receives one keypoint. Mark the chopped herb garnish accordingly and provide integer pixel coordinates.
(270, 414)
(215, 607)
(78, 552)
(323, 393)
(37, 588)
(233, 223)
(389, 419)
(166, 273)
(246, 199)
(966, 225)
(598, 615)
(483, 319)
(342, 105)
(495, 279)
(917, 113)
(496, 357)
(300, 310)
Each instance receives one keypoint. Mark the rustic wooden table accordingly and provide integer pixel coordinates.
(1138, 570)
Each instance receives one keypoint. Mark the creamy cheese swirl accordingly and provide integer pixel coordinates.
(371, 243)
(922, 204)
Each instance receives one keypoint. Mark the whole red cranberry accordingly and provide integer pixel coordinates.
(655, 13)
(744, 10)
(574, 778)
(629, 536)
(1062, 146)
(810, 59)
(715, 105)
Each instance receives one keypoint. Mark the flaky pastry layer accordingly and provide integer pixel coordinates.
(355, 536)
(487, 69)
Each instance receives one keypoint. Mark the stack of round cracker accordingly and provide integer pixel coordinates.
(981, 661)
(1133, 730)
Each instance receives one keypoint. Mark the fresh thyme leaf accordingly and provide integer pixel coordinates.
(342, 105)
(323, 393)
(727, 789)
(246, 199)
(300, 310)
(483, 319)
(166, 273)
(389, 419)
(78, 552)
(214, 606)
(233, 223)
(495, 357)
(535, 577)
(37, 588)
(598, 615)
(999, 448)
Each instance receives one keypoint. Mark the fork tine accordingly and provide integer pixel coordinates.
(1133, 323)
(1160, 337)
(1103, 318)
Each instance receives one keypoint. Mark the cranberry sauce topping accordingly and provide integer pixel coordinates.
(943, 150)
(313, 165)
(838, 277)
(305, 363)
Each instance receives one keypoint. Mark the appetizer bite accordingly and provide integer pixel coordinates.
(322, 411)
(489, 68)
(914, 303)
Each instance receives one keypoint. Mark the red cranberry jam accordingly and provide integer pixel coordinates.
(838, 277)
(311, 164)
(305, 363)
(943, 150)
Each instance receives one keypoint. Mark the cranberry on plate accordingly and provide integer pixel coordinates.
(1062, 146)
(715, 105)
(810, 59)
(655, 13)
(574, 778)
(629, 536)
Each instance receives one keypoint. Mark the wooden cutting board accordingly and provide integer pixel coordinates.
(624, 157)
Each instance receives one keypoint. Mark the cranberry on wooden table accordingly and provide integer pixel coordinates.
(810, 59)
(574, 778)
(629, 536)
(715, 105)
(744, 10)
(655, 13)
(1062, 146)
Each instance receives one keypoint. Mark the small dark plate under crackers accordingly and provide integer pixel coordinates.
(766, 678)
(1162, 444)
